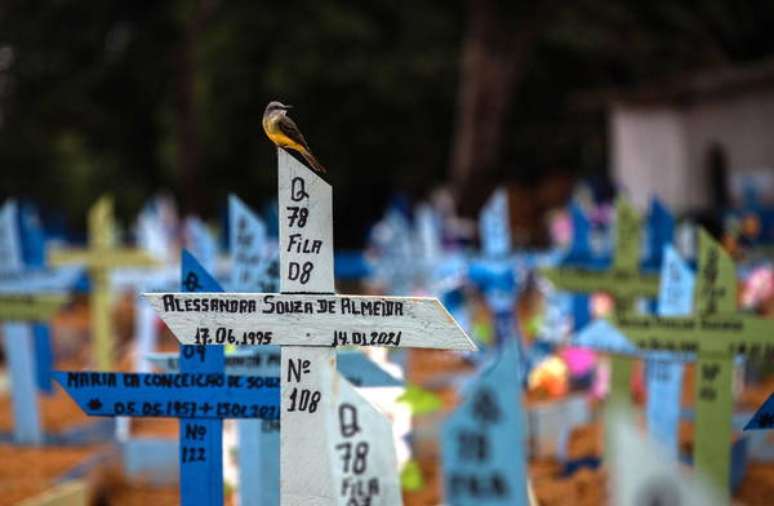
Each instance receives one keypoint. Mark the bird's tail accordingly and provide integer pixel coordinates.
(312, 161)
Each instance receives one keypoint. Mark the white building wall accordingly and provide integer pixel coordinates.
(649, 155)
(664, 150)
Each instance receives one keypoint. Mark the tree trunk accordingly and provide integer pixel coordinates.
(494, 55)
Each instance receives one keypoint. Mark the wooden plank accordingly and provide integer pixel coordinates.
(310, 320)
(172, 395)
(306, 459)
(306, 228)
(30, 307)
(27, 428)
(110, 259)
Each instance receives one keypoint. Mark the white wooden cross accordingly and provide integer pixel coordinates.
(308, 320)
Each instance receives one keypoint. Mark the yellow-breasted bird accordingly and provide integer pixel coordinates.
(284, 133)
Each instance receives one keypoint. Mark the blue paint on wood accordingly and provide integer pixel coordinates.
(44, 357)
(201, 395)
(33, 250)
(194, 394)
(494, 225)
(580, 254)
(660, 231)
(601, 335)
(258, 451)
(763, 419)
(664, 373)
(201, 243)
(363, 372)
(580, 244)
(201, 441)
(483, 441)
(17, 338)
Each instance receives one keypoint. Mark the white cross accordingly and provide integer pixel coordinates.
(308, 321)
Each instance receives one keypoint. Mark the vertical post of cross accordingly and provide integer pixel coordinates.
(715, 294)
(306, 266)
(100, 238)
(626, 259)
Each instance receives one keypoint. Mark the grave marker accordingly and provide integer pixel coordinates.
(625, 283)
(483, 441)
(664, 372)
(763, 419)
(201, 243)
(19, 338)
(308, 321)
(258, 444)
(494, 272)
(716, 332)
(100, 258)
(201, 395)
(33, 248)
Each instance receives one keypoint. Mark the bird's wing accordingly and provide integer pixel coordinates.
(289, 128)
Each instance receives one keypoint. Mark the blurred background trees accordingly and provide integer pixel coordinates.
(394, 97)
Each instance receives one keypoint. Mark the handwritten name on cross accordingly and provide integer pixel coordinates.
(309, 321)
(201, 396)
(716, 332)
(100, 258)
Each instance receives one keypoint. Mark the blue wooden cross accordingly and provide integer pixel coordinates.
(580, 255)
(34, 254)
(200, 395)
(660, 230)
(763, 419)
(494, 272)
(27, 346)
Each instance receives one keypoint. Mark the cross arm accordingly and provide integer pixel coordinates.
(309, 320)
(183, 395)
(102, 259)
(30, 307)
(617, 283)
(740, 334)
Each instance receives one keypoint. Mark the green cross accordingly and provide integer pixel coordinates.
(716, 333)
(625, 283)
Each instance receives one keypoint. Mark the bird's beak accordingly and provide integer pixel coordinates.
(286, 107)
